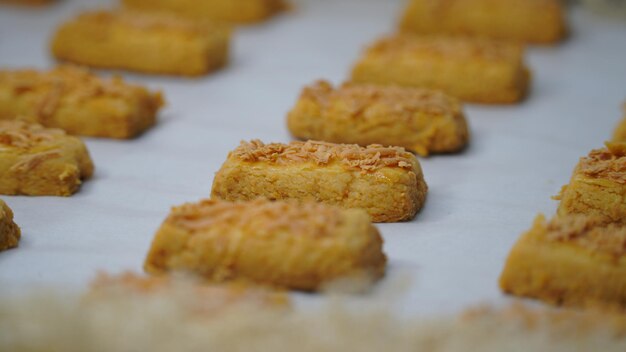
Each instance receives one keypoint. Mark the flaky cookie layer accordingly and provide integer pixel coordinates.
(597, 186)
(421, 120)
(387, 182)
(9, 231)
(73, 99)
(142, 41)
(532, 21)
(38, 161)
(471, 69)
(286, 244)
(572, 260)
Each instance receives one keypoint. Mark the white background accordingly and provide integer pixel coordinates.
(479, 201)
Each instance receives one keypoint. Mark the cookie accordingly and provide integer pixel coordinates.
(423, 121)
(281, 243)
(40, 161)
(471, 69)
(79, 102)
(387, 182)
(576, 260)
(143, 42)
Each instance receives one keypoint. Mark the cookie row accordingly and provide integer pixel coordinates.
(578, 257)
(434, 117)
(471, 49)
(232, 11)
(44, 160)
(472, 69)
(189, 38)
(526, 21)
(72, 98)
(390, 101)
(282, 243)
(402, 90)
(384, 183)
(273, 217)
(345, 175)
(214, 238)
(143, 41)
(79, 102)
(38, 161)
(457, 53)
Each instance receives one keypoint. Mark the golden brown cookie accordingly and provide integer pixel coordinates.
(40, 161)
(471, 69)
(283, 243)
(598, 185)
(387, 182)
(572, 259)
(531, 21)
(144, 42)
(77, 101)
(423, 121)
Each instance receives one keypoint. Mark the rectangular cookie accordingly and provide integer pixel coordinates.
(40, 161)
(572, 260)
(77, 101)
(9, 231)
(238, 11)
(423, 121)
(387, 182)
(144, 42)
(283, 243)
(531, 21)
(598, 185)
(471, 69)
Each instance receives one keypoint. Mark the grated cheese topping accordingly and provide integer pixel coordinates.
(589, 232)
(260, 216)
(352, 156)
(73, 84)
(400, 101)
(608, 163)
